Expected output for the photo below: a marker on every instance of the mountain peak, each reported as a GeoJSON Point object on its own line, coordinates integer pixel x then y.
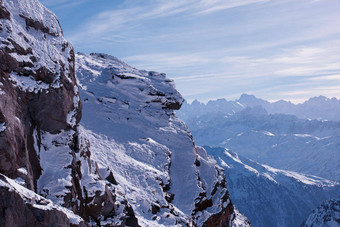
{"type": "Point", "coordinates": [247, 97]}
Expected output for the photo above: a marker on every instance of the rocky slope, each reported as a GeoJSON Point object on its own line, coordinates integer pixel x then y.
{"type": "Point", "coordinates": [135, 142]}
{"type": "Point", "coordinates": [279, 140]}
{"type": "Point", "coordinates": [131, 162]}
{"type": "Point", "coordinates": [272, 197]}
{"type": "Point", "coordinates": [326, 215]}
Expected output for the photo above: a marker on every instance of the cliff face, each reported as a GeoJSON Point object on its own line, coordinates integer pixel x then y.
{"type": "Point", "coordinates": [130, 162]}
{"type": "Point", "coordinates": [39, 96]}
{"type": "Point", "coordinates": [36, 77]}
{"type": "Point", "coordinates": [135, 140]}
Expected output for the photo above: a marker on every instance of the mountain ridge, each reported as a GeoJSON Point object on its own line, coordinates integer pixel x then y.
{"type": "Point", "coordinates": [308, 109]}
{"type": "Point", "coordinates": [115, 158]}
{"type": "Point", "coordinates": [272, 197]}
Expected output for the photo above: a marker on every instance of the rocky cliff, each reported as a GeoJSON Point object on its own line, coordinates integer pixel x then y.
{"type": "Point", "coordinates": [39, 97]}
{"type": "Point", "coordinates": [130, 162]}
{"type": "Point", "coordinates": [135, 141]}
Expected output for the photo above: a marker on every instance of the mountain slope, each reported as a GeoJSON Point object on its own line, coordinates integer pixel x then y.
{"type": "Point", "coordinates": [136, 141]}
{"type": "Point", "coordinates": [279, 140]}
{"type": "Point", "coordinates": [268, 196]}
{"type": "Point", "coordinates": [130, 163]}
{"type": "Point", "coordinates": [326, 215]}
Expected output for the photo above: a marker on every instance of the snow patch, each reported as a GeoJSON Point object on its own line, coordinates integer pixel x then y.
{"type": "Point", "coordinates": [3, 127]}
{"type": "Point", "coordinates": [30, 197]}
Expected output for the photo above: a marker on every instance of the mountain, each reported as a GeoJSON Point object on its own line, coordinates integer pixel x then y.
{"type": "Point", "coordinates": [326, 215]}
{"type": "Point", "coordinates": [282, 141]}
{"type": "Point", "coordinates": [122, 158]}
{"type": "Point", "coordinates": [321, 107]}
{"type": "Point", "coordinates": [39, 103]}
{"type": "Point", "coordinates": [272, 197]}
{"type": "Point", "coordinates": [134, 137]}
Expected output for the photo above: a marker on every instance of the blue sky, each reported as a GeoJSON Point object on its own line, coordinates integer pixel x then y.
{"type": "Point", "coordinates": [274, 49]}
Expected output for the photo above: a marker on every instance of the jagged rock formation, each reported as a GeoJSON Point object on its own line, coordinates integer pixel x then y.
{"type": "Point", "coordinates": [130, 163]}
{"type": "Point", "coordinates": [37, 75]}
{"type": "Point", "coordinates": [326, 215]}
{"type": "Point", "coordinates": [271, 197]}
{"type": "Point", "coordinates": [22, 207]}
{"type": "Point", "coordinates": [39, 97]}
{"type": "Point", "coordinates": [136, 142]}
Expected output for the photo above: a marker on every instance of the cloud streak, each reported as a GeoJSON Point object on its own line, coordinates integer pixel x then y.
{"type": "Point", "coordinates": [220, 48]}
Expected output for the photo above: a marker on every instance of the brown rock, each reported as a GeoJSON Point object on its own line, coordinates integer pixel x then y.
{"type": "Point", "coordinates": [4, 14]}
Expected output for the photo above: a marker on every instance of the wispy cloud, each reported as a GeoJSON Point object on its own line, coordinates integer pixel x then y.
{"type": "Point", "coordinates": [212, 6]}
{"type": "Point", "coordinates": [221, 48]}
{"type": "Point", "coordinates": [112, 20]}
{"type": "Point", "coordinates": [62, 4]}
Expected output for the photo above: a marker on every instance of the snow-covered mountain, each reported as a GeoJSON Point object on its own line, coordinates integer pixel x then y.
{"type": "Point", "coordinates": [272, 197]}
{"type": "Point", "coordinates": [135, 139]}
{"type": "Point", "coordinates": [315, 108]}
{"type": "Point", "coordinates": [279, 140]}
{"type": "Point", "coordinates": [128, 162]}
{"type": "Point", "coordinates": [39, 110]}
{"type": "Point", "coordinates": [326, 215]}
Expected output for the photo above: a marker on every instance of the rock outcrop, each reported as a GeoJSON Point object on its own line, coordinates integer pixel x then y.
{"type": "Point", "coordinates": [37, 86]}
{"type": "Point", "coordinates": [130, 162]}
{"type": "Point", "coordinates": [133, 138]}
{"type": "Point", "coordinates": [326, 215]}
{"type": "Point", "coordinates": [39, 97]}
{"type": "Point", "coordinates": [21, 207]}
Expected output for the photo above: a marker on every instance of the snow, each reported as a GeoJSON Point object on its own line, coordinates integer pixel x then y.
{"type": "Point", "coordinates": [133, 135]}
{"type": "Point", "coordinates": [282, 141]}
{"type": "Point", "coordinates": [269, 196]}
{"type": "Point", "coordinates": [1, 91]}
{"type": "Point", "coordinates": [2, 127]}
{"type": "Point", "coordinates": [55, 157]}
{"type": "Point", "coordinates": [51, 51]}
{"type": "Point", "coordinates": [30, 197]}
{"type": "Point", "coordinates": [239, 220]}
{"type": "Point", "coordinates": [28, 83]}
{"type": "Point", "coordinates": [23, 170]}
{"type": "Point", "coordinates": [326, 215]}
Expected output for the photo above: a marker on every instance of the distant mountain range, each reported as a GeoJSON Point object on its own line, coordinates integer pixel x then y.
{"type": "Point", "coordinates": [315, 108]}
{"type": "Point", "coordinates": [271, 197]}
{"type": "Point", "coordinates": [280, 140]}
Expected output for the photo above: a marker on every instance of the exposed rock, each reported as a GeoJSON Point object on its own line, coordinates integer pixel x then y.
{"type": "Point", "coordinates": [37, 87]}
{"type": "Point", "coordinates": [22, 207]}
{"type": "Point", "coordinates": [131, 163]}
{"type": "Point", "coordinates": [134, 136]}
{"type": "Point", "coordinates": [38, 95]}
{"type": "Point", "coordinates": [326, 215]}
{"type": "Point", "coordinates": [4, 14]}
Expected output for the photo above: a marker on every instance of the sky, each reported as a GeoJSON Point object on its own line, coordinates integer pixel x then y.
{"type": "Point", "coordinates": [273, 49]}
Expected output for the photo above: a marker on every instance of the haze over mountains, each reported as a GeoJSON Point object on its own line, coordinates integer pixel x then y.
{"type": "Point", "coordinates": [276, 156]}
{"type": "Point", "coordinates": [245, 126]}
{"type": "Point", "coordinates": [88, 140]}
{"type": "Point", "coordinates": [319, 107]}
{"type": "Point", "coordinates": [271, 197]}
